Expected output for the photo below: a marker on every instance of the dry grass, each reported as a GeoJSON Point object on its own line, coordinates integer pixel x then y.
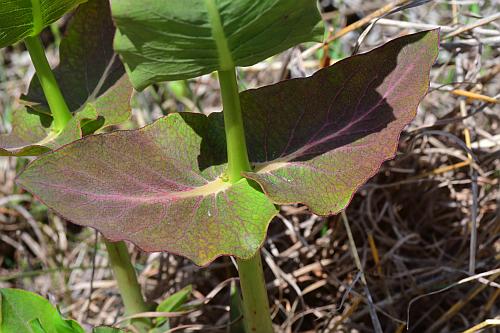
{"type": "Point", "coordinates": [412, 224]}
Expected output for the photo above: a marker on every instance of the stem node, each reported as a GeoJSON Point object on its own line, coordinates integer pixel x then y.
{"type": "Point", "coordinates": [257, 317]}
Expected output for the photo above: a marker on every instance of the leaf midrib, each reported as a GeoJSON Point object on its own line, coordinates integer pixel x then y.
{"type": "Point", "coordinates": [206, 190]}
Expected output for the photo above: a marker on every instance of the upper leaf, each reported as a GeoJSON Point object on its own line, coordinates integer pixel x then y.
{"type": "Point", "coordinates": [173, 40]}
{"type": "Point", "coordinates": [23, 18]}
{"type": "Point", "coordinates": [25, 312]}
{"type": "Point", "coordinates": [148, 186]}
{"type": "Point", "coordinates": [89, 74]}
{"type": "Point", "coordinates": [317, 140]}
{"type": "Point", "coordinates": [92, 80]}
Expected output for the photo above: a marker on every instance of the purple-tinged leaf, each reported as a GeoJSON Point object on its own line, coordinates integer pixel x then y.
{"type": "Point", "coordinates": [92, 80]}
{"type": "Point", "coordinates": [27, 128]}
{"type": "Point", "coordinates": [313, 140]}
{"type": "Point", "coordinates": [32, 136]}
{"type": "Point", "coordinates": [146, 186]}
{"type": "Point", "coordinates": [89, 67]}
{"type": "Point", "coordinates": [317, 140]}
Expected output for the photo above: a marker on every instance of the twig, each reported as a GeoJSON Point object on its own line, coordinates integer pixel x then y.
{"type": "Point", "coordinates": [356, 25]}
{"type": "Point", "coordinates": [473, 25]}
{"type": "Point", "coordinates": [352, 245]}
{"type": "Point", "coordinates": [483, 325]}
{"type": "Point", "coordinates": [92, 273]}
{"type": "Point", "coordinates": [473, 174]}
{"type": "Point", "coordinates": [444, 28]}
{"type": "Point", "coordinates": [494, 274]}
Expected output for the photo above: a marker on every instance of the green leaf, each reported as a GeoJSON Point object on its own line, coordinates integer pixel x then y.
{"type": "Point", "coordinates": [65, 326]}
{"type": "Point", "coordinates": [174, 302]}
{"type": "Point", "coordinates": [90, 73]}
{"type": "Point", "coordinates": [317, 140]}
{"type": "Point", "coordinates": [93, 83]}
{"type": "Point", "coordinates": [23, 18]}
{"type": "Point", "coordinates": [174, 40]}
{"type": "Point", "coordinates": [26, 312]}
{"type": "Point", "coordinates": [314, 140]}
{"type": "Point", "coordinates": [72, 327]}
{"type": "Point", "coordinates": [36, 326]}
{"type": "Point", "coordinates": [157, 187]}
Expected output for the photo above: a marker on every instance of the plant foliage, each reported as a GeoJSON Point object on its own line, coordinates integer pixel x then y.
{"type": "Point", "coordinates": [312, 140]}
{"type": "Point", "coordinates": [26, 18]}
{"type": "Point", "coordinates": [22, 311]}
{"type": "Point", "coordinates": [92, 80]}
{"type": "Point", "coordinates": [174, 40]}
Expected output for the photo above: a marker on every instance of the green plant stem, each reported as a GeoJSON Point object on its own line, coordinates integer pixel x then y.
{"type": "Point", "coordinates": [58, 107]}
{"type": "Point", "coordinates": [124, 272]}
{"type": "Point", "coordinates": [233, 123]}
{"type": "Point", "coordinates": [257, 317]}
{"type": "Point", "coordinates": [128, 285]}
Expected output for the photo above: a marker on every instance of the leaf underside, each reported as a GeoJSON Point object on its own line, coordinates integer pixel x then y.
{"type": "Point", "coordinates": [145, 186]}
{"type": "Point", "coordinates": [175, 40]}
{"type": "Point", "coordinates": [93, 83]}
{"type": "Point", "coordinates": [312, 140]}
{"type": "Point", "coordinates": [24, 18]}
{"type": "Point", "coordinates": [317, 140]}
{"type": "Point", "coordinates": [32, 135]}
